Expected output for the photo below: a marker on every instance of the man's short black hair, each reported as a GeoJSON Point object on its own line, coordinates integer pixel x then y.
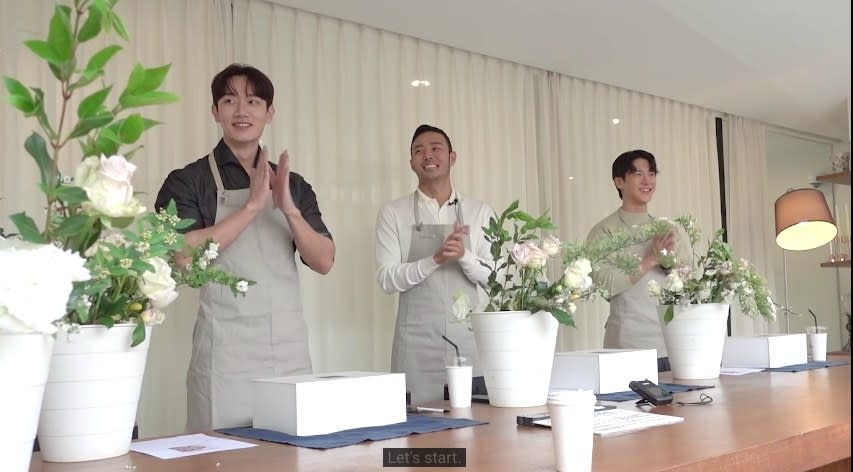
{"type": "Point", "coordinates": [624, 164]}
{"type": "Point", "coordinates": [260, 84]}
{"type": "Point", "coordinates": [426, 129]}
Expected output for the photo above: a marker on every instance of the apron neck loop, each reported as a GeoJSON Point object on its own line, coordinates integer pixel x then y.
{"type": "Point", "coordinates": [214, 169]}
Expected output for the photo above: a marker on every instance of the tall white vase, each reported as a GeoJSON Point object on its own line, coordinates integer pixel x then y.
{"type": "Point", "coordinates": [516, 351]}
{"type": "Point", "coordinates": [24, 363]}
{"type": "Point", "coordinates": [91, 396]}
{"type": "Point", "coordinates": [694, 339]}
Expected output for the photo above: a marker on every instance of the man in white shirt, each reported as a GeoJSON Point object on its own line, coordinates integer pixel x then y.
{"type": "Point", "coordinates": [429, 247]}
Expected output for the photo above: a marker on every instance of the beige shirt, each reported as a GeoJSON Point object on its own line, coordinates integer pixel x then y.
{"type": "Point", "coordinates": [613, 279]}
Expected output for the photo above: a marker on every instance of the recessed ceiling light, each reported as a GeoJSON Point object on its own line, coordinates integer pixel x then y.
{"type": "Point", "coordinates": [615, 121]}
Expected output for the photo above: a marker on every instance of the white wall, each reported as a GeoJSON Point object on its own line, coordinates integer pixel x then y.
{"type": "Point", "coordinates": [792, 162]}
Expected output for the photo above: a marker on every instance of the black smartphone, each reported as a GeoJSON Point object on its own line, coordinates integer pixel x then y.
{"type": "Point", "coordinates": [651, 392]}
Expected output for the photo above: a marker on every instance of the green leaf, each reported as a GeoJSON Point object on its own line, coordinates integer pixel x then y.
{"type": "Point", "coordinates": [92, 26]}
{"type": "Point", "coordinates": [669, 315]}
{"type": "Point", "coordinates": [93, 103]}
{"type": "Point", "coordinates": [73, 226]}
{"type": "Point", "coordinates": [562, 316]}
{"type": "Point", "coordinates": [147, 98]}
{"type": "Point", "coordinates": [27, 228]}
{"type": "Point", "coordinates": [88, 124]}
{"type": "Point", "coordinates": [118, 25]}
{"type": "Point", "coordinates": [59, 36]}
{"type": "Point", "coordinates": [138, 334]}
{"type": "Point", "coordinates": [131, 128]}
{"type": "Point", "coordinates": [122, 222]}
{"type": "Point", "coordinates": [19, 95]}
{"type": "Point", "coordinates": [99, 60]}
{"type": "Point", "coordinates": [143, 80]}
{"type": "Point", "coordinates": [43, 50]}
{"type": "Point", "coordinates": [37, 147]}
{"type": "Point", "coordinates": [71, 194]}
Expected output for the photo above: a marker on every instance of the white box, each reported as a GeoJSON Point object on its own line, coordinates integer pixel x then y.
{"type": "Point", "coordinates": [773, 350]}
{"type": "Point", "coordinates": [603, 370]}
{"type": "Point", "coordinates": [305, 405]}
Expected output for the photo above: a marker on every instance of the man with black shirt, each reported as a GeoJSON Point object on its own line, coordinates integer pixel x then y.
{"type": "Point", "coordinates": [259, 214]}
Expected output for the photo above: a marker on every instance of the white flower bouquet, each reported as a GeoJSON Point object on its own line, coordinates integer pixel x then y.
{"type": "Point", "coordinates": [714, 277]}
{"type": "Point", "coordinates": [519, 267]}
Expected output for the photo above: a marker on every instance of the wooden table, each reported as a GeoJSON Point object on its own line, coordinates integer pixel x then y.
{"type": "Point", "coordinates": [764, 421]}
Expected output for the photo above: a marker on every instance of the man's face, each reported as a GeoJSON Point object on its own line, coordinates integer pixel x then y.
{"type": "Point", "coordinates": [241, 114]}
{"type": "Point", "coordinates": [431, 158]}
{"type": "Point", "coordinates": [638, 186]}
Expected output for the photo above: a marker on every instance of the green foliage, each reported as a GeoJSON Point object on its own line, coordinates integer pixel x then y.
{"type": "Point", "coordinates": [85, 216]}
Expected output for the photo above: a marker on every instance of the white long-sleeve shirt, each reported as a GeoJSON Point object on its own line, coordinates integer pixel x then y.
{"type": "Point", "coordinates": [394, 235]}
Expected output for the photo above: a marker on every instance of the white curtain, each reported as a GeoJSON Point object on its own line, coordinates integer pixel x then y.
{"type": "Point", "coordinates": [750, 221]}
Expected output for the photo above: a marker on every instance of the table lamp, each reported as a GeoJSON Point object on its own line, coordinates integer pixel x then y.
{"type": "Point", "coordinates": [803, 221]}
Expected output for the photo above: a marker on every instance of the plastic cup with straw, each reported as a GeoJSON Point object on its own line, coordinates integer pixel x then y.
{"type": "Point", "coordinates": [459, 380]}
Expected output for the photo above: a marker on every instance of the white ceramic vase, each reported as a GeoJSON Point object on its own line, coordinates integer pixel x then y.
{"type": "Point", "coordinates": [24, 363]}
{"type": "Point", "coordinates": [91, 396]}
{"type": "Point", "coordinates": [516, 352]}
{"type": "Point", "coordinates": [694, 339]}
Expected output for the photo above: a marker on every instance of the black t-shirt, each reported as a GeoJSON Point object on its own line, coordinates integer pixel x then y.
{"type": "Point", "coordinates": [194, 190]}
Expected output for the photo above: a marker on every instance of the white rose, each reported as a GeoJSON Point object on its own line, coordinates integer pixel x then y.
{"type": "Point", "coordinates": [654, 287]}
{"type": "Point", "coordinates": [551, 246]}
{"type": "Point", "coordinates": [537, 257]}
{"type": "Point", "coordinates": [107, 184]}
{"type": "Point", "coordinates": [35, 284]}
{"type": "Point", "coordinates": [673, 282]}
{"type": "Point", "coordinates": [577, 275]}
{"type": "Point", "coordinates": [461, 306]}
{"type": "Point", "coordinates": [242, 286]}
{"type": "Point", "coordinates": [158, 286]}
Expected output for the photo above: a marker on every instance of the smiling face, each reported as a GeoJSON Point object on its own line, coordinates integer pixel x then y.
{"type": "Point", "coordinates": [241, 114]}
{"type": "Point", "coordinates": [637, 186]}
{"type": "Point", "coordinates": [431, 157]}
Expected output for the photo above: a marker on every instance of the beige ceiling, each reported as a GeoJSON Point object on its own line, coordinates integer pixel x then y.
{"type": "Point", "coordinates": [784, 62]}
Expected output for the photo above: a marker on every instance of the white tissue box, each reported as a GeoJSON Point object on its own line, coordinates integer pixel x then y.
{"type": "Point", "coordinates": [773, 350]}
{"type": "Point", "coordinates": [305, 405]}
{"type": "Point", "coordinates": [603, 370]}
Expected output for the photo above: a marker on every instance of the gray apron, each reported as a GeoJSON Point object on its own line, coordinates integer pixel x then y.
{"type": "Point", "coordinates": [239, 338]}
{"type": "Point", "coordinates": [424, 315]}
{"type": "Point", "coordinates": [633, 321]}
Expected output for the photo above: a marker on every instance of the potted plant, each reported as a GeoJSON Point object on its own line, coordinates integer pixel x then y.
{"type": "Point", "coordinates": [32, 296]}
{"type": "Point", "coordinates": [95, 214]}
{"type": "Point", "coordinates": [517, 330]}
{"type": "Point", "coordinates": [695, 299]}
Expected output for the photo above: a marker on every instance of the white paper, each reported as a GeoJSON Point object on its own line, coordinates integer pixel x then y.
{"type": "Point", "coordinates": [739, 370]}
{"type": "Point", "coordinates": [618, 421]}
{"type": "Point", "coordinates": [187, 445]}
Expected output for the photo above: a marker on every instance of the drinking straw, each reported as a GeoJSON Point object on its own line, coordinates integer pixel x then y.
{"type": "Point", "coordinates": [458, 357]}
{"type": "Point", "coordinates": [815, 319]}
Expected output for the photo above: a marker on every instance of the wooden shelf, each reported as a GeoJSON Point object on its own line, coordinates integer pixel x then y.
{"type": "Point", "coordinates": [835, 264]}
{"type": "Point", "coordinates": [841, 178]}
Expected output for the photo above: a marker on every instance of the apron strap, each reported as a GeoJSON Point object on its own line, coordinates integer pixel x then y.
{"type": "Point", "coordinates": [214, 169]}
